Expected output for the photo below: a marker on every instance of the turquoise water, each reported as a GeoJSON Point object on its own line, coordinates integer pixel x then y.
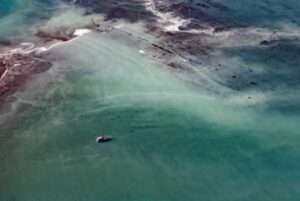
{"type": "Point", "coordinates": [19, 19]}
{"type": "Point", "coordinates": [173, 140]}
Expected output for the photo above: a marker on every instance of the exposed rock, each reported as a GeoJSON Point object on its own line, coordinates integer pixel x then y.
{"type": "Point", "coordinates": [5, 42]}
{"type": "Point", "coordinates": [162, 49]}
{"type": "Point", "coordinates": [61, 35]}
{"type": "Point", "coordinates": [177, 66]}
{"type": "Point", "coordinates": [15, 68]}
{"type": "Point", "coordinates": [187, 42]}
{"type": "Point", "coordinates": [253, 83]}
{"type": "Point", "coordinates": [129, 10]}
{"type": "Point", "coordinates": [268, 42]}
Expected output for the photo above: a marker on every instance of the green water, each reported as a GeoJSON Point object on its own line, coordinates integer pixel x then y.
{"type": "Point", "coordinates": [173, 141]}
{"type": "Point", "coordinates": [19, 19]}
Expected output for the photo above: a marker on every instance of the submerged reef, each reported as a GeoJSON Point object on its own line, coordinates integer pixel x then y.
{"type": "Point", "coordinates": [189, 34]}
{"type": "Point", "coordinates": [16, 67]}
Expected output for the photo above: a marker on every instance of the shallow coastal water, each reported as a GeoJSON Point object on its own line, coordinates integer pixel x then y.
{"type": "Point", "coordinates": [15, 17]}
{"type": "Point", "coordinates": [174, 139]}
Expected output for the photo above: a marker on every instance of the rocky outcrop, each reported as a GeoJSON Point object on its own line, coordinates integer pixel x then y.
{"type": "Point", "coordinates": [19, 62]}
{"type": "Point", "coordinates": [15, 68]}
{"type": "Point", "coordinates": [59, 35]}
{"type": "Point", "coordinates": [129, 10]}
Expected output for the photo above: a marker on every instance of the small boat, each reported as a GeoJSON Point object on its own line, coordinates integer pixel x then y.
{"type": "Point", "coordinates": [101, 139]}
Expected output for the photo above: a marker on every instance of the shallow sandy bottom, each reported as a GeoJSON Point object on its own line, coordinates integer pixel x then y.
{"type": "Point", "coordinates": [173, 141]}
{"type": "Point", "coordinates": [180, 134]}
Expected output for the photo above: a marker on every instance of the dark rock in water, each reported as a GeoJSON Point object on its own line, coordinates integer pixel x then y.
{"type": "Point", "coordinates": [61, 35]}
{"type": "Point", "coordinates": [15, 68]}
{"type": "Point", "coordinates": [2, 69]}
{"type": "Point", "coordinates": [118, 12]}
{"type": "Point", "coordinates": [272, 42]}
{"type": "Point", "coordinates": [183, 8]}
{"type": "Point", "coordinates": [162, 48]}
{"type": "Point", "coordinates": [266, 42]}
{"type": "Point", "coordinates": [194, 24]}
{"type": "Point", "coordinates": [193, 10]}
{"type": "Point", "coordinates": [131, 14]}
{"type": "Point", "coordinates": [129, 10]}
{"type": "Point", "coordinates": [218, 29]}
{"type": "Point", "coordinates": [5, 43]}
{"type": "Point", "coordinates": [176, 66]}
{"type": "Point", "coordinates": [190, 43]}
{"type": "Point", "coordinates": [203, 5]}
{"type": "Point", "coordinates": [253, 83]}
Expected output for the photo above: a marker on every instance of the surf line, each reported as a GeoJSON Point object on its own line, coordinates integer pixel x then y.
{"type": "Point", "coordinates": [29, 48]}
{"type": "Point", "coordinates": [76, 35]}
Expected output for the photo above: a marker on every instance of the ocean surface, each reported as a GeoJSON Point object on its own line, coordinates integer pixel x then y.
{"type": "Point", "coordinates": [211, 135]}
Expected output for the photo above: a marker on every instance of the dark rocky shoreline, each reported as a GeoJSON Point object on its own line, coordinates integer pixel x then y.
{"type": "Point", "coordinates": [18, 63]}
{"type": "Point", "coordinates": [16, 68]}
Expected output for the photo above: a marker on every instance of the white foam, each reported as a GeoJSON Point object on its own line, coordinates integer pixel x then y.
{"type": "Point", "coordinates": [77, 33]}
{"type": "Point", "coordinates": [81, 32]}
{"type": "Point", "coordinates": [141, 51]}
{"type": "Point", "coordinates": [27, 45]}
{"type": "Point", "coordinates": [167, 20]}
{"type": "Point", "coordinates": [238, 37]}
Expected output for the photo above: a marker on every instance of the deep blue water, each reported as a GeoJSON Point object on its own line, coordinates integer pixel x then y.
{"type": "Point", "coordinates": [265, 13]}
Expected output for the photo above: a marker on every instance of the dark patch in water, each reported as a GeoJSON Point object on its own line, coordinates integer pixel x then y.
{"type": "Point", "coordinates": [130, 10]}
{"type": "Point", "coordinates": [280, 64]}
